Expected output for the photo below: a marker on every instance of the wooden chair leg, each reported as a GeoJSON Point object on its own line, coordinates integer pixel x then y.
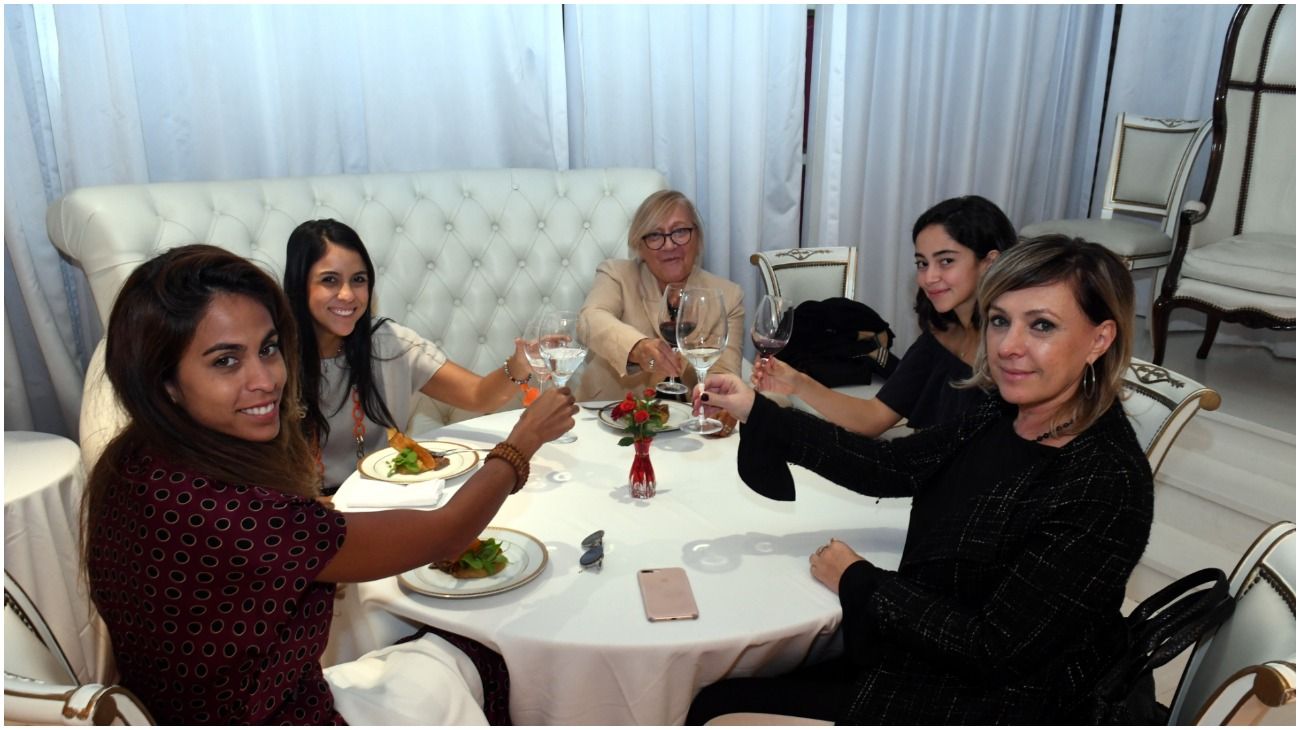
{"type": "Point", "coordinates": [1211, 329]}
{"type": "Point", "coordinates": [1159, 329]}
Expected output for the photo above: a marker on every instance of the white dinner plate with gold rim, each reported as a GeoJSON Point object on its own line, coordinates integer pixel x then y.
{"type": "Point", "coordinates": [527, 556]}
{"type": "Point", "coordinates": [677, 414]}
{"type": "Point", "coordinates": [377, 465]}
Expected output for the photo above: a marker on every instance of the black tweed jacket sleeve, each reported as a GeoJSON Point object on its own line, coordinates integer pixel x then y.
{"type": "Point", "coordinates": [1012, 605]}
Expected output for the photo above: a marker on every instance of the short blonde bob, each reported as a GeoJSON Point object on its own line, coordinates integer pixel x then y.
{"type": "Point", "coordinates": [1103, 289]}
{"type": "Point", "coordinates": [654, 209]}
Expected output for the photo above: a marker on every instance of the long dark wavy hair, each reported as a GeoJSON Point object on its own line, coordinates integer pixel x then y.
{"type": "Point", "coordinates": [975, 223]}
{"type": "Point", "coordinates": [307, 245]}
{"type": "Point", "coordinates": [153, 320]}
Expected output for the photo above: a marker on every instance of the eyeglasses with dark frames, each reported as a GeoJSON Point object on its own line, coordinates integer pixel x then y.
{"type": "Point", "coordinates": [679, 236]}
{"type": "Point", "coordinates": [595, 555]}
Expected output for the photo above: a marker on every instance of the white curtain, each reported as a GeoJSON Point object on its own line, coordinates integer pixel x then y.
{"type": "Point", "coordinates": [910, 104]}
{"type": "Point", "coordinates": [131, 94]}
{"type": "Point", "coordinates": [914, 104]}
{"type": "Point", "coordinates": [712, 96]}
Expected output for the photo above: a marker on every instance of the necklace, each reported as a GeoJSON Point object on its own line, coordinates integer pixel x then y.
{"type": "Point", "coordinates": [1048, 434]}
{"type": "Point", "coordinates": [358, 433]}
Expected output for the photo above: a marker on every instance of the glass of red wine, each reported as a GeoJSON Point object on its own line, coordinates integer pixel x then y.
{"type": "Point", "coordinates": [667, 316]}
{"type": "Point", "coordinates": [773, 323]}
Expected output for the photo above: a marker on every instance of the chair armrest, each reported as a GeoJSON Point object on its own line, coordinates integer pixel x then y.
{"type": "Point", "coordinates": [1192, 213]}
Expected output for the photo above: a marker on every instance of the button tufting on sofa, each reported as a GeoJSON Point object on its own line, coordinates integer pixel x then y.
{"type": "Point", "coordinates": [481, 284]}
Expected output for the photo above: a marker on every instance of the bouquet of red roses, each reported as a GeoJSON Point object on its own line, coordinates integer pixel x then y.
{"type": "Point", "coordinates": [642, 417]}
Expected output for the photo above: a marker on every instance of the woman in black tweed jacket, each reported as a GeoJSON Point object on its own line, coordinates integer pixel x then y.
{"type": "Point", "coordinates": [1027, 517]}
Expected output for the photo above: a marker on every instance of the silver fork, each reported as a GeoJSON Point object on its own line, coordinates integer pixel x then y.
{"type": "Point", "coordinates": [440, 454]}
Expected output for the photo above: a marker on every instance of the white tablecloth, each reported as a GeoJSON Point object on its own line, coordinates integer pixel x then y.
{"type": "Point", "coordinates": [578, 645]}
{"type": "Point", "coordinates": [44, 479]}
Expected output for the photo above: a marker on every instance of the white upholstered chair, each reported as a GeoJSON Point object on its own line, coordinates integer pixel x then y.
{"type": "Point", "coordinates": [1150, 161]}
{"type": "Point", "coordinates": [1244, 673]}
{"type": "Point", "coordinates": [1234, 256]}
{"type": "Point", "coordinates": [804, 274]}
{"type": "Point", "coordinates": [1159, 403]}
{"type": "Point", "coordinates": [40, 686]}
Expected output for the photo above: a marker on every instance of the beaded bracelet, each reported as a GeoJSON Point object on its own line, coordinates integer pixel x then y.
{"type": "Point", "coordinates": [505, 367]}
{"type": "Point", "coordinates": [515, 458]}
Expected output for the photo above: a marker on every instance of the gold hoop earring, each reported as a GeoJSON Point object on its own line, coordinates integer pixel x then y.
{"type": "Point", "coordinates": [1089, 382]}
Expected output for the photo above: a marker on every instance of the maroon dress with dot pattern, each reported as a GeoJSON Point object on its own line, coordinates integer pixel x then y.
{"type": "Point", "coordinates": [210, 596]}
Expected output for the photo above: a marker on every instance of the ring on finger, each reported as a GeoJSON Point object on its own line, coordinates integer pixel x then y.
{"type": "Point", "coordinates": [652, 363]}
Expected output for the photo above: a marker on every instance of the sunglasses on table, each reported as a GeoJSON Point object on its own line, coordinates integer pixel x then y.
{"type": "Point", "coordinates": [595, 547]}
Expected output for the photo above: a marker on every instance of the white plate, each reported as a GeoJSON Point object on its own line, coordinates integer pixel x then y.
{"type": "Point", "coordinates": [527, 556]}
{"type": "Point", "coordinates": [376, 465]}
{"type": "Point", "coordinates": [677, 414]}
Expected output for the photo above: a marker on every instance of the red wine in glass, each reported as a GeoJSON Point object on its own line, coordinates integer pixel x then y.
{"type": "Point", "coordinates": [773, 324]}
{"type": "Point", "coordinates": [669, 301]}
{"type": "Point", "coordinates": [768, 346]}
{"type": "Point", "coordinates": [669, 332]}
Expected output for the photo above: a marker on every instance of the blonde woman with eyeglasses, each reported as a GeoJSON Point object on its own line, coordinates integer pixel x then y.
{"type": "Point", "coordinates": [619, 321]}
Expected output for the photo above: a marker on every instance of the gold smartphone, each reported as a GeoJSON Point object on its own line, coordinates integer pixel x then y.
{"type": "Point", "coordinates": [666, 594]}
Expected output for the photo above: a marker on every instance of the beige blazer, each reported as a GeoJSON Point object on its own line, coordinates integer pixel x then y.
{"type": "Point", "coordinates": [621, 310]}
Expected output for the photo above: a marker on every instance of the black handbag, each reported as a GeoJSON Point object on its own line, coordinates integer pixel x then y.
{"type": "Point", "coordinates": [1159, 629]}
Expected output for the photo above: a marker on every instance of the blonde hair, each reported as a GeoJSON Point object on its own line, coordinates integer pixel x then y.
{"type": "Point", "coordinates": [652, 210]}
{"type": "Point", "coordinates": [1103, 290]}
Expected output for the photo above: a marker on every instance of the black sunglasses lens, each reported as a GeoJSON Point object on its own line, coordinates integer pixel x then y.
{"type": "Point", "coordinates": [592, 558]}
{"type": "Point", "coordinates": [594, 539]}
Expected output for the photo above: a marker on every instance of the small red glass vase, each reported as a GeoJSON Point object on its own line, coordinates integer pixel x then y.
{"type": "Point", "coordinates": [641, 480]}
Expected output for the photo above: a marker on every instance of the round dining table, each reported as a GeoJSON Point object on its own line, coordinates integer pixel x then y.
{"type": "Point", "coordinates": [577, 642]}
{"type": "Point", "coordinates": [44, 480]}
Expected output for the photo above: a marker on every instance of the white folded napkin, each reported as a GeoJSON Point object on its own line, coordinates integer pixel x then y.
{"type": "Point", "coordinates": [373, 494]}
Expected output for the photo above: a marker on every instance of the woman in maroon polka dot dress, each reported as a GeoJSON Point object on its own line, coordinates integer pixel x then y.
{"type": "Point", "coordinates": [209, 557]}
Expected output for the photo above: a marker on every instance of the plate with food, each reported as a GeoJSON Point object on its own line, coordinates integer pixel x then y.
{"type": "Point", "coordinates": [407, 461]}
{"type": "Point", "coordinates": [501, 559]}
{"type": "Point", "coordinates": [677, 413]}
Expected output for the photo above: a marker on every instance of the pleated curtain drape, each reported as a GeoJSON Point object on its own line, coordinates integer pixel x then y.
{"type": "Point", "coordinates": [915, 104]}
{"type": "Point", "coordinates": [710, 95]}
{"type": "Point", "coordinates": [908, 105]}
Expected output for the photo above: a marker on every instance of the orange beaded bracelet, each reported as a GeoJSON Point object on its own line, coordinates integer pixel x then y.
{"type": "Point", "coordinates": [515, 458]}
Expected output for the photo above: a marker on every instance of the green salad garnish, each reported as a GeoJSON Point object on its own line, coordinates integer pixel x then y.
{"type": "Point", "coordinates": [407, 462]}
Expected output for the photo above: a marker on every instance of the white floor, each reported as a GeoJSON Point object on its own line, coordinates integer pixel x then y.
{"type": "Point", "coordinates": [1254, 384]}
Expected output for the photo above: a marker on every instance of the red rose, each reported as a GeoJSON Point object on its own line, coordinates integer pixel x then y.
{"type": "Point", "coordinates": [649, 392]}
{"type": "Point", "coordinates": [641, 416]}
{"type": "Point", "coordinates": [620, 410]}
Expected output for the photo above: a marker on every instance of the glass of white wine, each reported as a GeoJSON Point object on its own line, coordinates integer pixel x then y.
{"type": "Point", "coordinates": [533, 348]}
{"type": "Point", "coordinates": [702, 338]}
{"type": "Point", "coordinates": [558, 336]}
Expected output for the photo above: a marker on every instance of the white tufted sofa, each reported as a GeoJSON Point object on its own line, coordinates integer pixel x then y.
{"type": "Point", "coordinates": [463, 257]}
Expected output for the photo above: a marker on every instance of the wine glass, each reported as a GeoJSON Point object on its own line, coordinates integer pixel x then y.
{"type": "Point", "coordinates": [563, 354]}
{"type": "Point", "coordinates": [667, 317]}
{"type": "Point", "coordinates": [702, 338]}
{"type": "Point", "coordinates": [533, 348]}
{"type": "Point", "coordinates": [773, 324]}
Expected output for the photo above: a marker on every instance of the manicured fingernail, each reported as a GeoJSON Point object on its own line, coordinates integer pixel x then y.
{"type": "Point", "coordinates": [705, 397]}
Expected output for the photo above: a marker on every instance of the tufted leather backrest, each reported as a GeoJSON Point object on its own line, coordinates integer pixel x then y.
{"type": "Point", "coordinates": [1250, 187]}
{"type": "Point", "coordinates": [463, 257]}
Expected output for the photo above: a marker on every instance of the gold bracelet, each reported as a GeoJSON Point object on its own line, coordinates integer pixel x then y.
{"type": "Point", "coordinates": [511, 455]}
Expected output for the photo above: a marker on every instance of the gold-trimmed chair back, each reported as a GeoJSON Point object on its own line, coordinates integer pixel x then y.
{"type": "Point", "coordinates": [1159, 403]}
{"type": "Point", "coordinates": [1244, 673]}
{"type": "Point", "coordinates": [804, 274]}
